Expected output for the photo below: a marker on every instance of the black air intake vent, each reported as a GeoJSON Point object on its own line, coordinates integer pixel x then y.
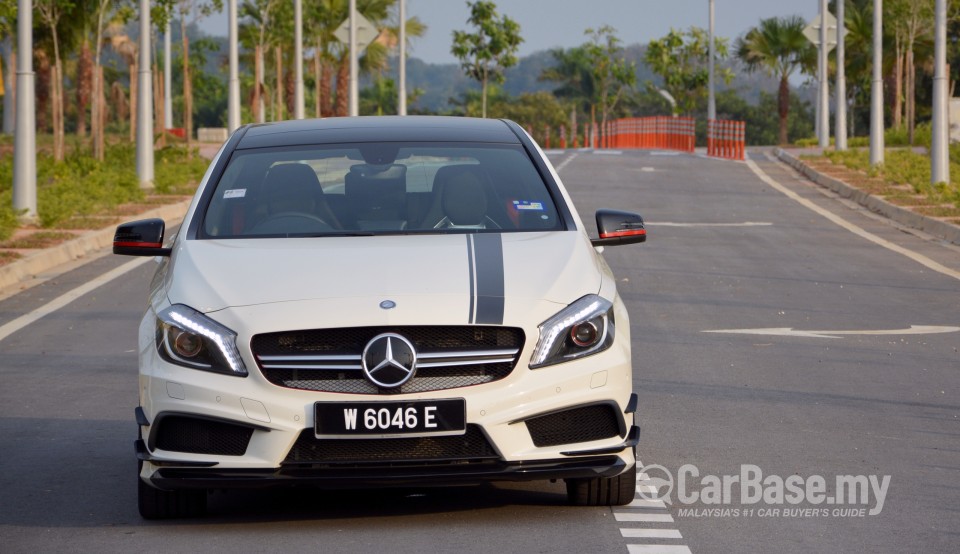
{"type": "Point", "coordinates": [585, 424]}
{"type": "Point", "coordinates": [178, 433]}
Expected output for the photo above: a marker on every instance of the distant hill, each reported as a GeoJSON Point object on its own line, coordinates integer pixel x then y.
{"type": "Point", "coordinates": [443, 82]}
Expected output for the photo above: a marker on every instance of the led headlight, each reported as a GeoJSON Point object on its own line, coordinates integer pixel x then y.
{"type": "Point", "coordinates": [581, 329]}
{"type": "Point", "coordinates": [188, 338]}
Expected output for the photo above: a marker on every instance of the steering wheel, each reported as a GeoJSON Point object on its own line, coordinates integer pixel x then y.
{"type": "Point", "coordinates": [291, 222]}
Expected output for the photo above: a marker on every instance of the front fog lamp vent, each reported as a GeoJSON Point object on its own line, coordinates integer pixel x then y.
{"type": "Point", "coordinates": [583, 424]}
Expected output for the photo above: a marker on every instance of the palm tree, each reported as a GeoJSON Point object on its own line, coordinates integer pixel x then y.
{"type": "Point", "coordinates": [778, 47]}
{"type": "Point", "coordinates": [574, 76]}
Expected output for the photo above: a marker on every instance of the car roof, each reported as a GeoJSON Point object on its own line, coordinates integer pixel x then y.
{"type": "Point", "coordinates": [377, 129]}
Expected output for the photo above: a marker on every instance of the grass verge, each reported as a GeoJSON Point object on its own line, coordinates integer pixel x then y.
{"type": "Point", "coordinates": [81, 188]}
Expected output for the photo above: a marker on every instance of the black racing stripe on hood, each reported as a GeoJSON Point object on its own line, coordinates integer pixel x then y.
{"type": "Point", "coordinates": [473, 289]}
{"type": "Point", "coordinates": [488, 253]}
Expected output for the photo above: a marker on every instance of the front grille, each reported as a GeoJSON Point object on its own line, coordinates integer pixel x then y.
{"type": "Point", "coordinates": [201, 436]}
{"type": "Point", "coordinates": [328, 360]}
{"type": "Point", "coordinates": [472, 446]}
{"type": "Point", "coordinates": [585, 424]}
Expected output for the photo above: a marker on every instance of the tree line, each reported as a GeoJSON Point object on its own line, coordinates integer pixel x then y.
{"type": "Point", "coordinates": [86, 67]}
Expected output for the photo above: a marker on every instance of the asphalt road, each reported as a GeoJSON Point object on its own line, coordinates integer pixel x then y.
{"type": "Point", "coordinates": [804, 406]}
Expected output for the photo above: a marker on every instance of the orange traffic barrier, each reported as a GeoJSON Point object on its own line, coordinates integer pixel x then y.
{"type": "Point", "coordinates": [726, 139]}
{"type": "Point", "coordinates": [671, 133]}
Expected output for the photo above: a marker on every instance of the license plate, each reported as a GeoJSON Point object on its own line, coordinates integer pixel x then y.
{"type": "Point", "coordinates": [390, 419]}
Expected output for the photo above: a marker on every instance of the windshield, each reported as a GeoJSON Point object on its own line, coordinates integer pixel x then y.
{"type": "Point", "coordinates": [379, 188]}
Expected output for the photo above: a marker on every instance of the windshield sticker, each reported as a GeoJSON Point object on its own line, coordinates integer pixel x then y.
{"type": "Point", "coordinates": [234, 193]}
{"type": "Point", "coordinates": [528, 205]}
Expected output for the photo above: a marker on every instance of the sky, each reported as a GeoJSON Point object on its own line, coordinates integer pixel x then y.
{"type": "Point", "coordinates": [547, 24]}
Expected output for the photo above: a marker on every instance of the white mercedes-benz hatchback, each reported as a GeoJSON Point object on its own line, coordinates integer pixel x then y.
{"type": "Point", "coordinates": [382, 301]}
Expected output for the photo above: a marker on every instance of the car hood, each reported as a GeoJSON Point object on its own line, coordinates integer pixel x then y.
{"type": "Point", "coordinates": [473, 275]}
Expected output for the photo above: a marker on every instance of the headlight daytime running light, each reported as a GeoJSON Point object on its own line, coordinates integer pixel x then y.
{"type": "Point", "coordinates": [558, 340]}
{"type": "Point", "coordinates": [218, 351]}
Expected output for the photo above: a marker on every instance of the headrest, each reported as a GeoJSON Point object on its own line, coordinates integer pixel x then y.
{"type": "Point", "coordinates": [463, 193]}
{"type": "Point", "coordinates": [293, 183]}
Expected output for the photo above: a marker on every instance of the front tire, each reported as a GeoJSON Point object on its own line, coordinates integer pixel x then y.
{"type": "Point", "coordinates": [603, 491]}
{"type": "Point", "coordinates": [159, 504]}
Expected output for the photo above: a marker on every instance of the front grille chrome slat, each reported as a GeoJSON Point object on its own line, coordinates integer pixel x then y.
{"type": "Point", "coordinates": [313, 366]}
{"type": "Point", "coordinates": [329, 360]}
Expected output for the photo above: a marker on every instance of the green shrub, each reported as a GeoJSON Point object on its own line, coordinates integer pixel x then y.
{"type": "Point", "coordinates": [904, 166]}
{"type": "Point", "coordinates": [177, 170]}
{"type": "Point", "coordinates": [81, 185]}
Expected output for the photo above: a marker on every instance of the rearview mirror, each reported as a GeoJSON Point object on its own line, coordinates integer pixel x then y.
{"type": "Point", "coordinates": [140, 238]}
{"type": "Point", "coordinates": [616, 227]}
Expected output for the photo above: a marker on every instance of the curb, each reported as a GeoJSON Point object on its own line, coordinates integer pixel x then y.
{"type": "Point", "coordinates": [940, 229]}
{"type": "Point", "coordinates": [44, 260]}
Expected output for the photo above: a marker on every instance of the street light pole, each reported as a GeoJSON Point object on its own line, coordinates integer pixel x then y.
{"type": "Point", "coordinates": [9, 111]}
{"type": "Point", "coordinates": [824, 97]}
{"type": "Point", "coordinates": [167, 78]}
{"type": "Point", "coordinates": [840, 131]}
{"type": "Point", "coordinates": [711, 98]}
{"type": "Point", "coordinates": [298, 59]}
{"type": "Point", "coordinates": [25, 132]}
{"type": "Point", "coordinates": [402, 85]}
{"type": "Point", "coordinates": [233, 83]}
{"type": "Point", "coordinates": [939, 160]}
{"type": "Point", "coordinates": [876, 88]}
{"type": "Point", "coordinates": [145, 103]}
{"type": "Point", "coordinates": [354, 63]}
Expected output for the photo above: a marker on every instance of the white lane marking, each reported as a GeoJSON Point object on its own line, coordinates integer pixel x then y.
{"type": "Point", "coordinates": [657, 549]}
{"type": "Point", "coordinates": [554, 151]}
{"type": "Point", "coordinates": [648, 518]}
{"type": "Point", "coordinates": [644, 503]}
{"type": "Point", "coordinates": [559, 167]}
{"type": "Point", "coordinates": [650, 534]}
{"type": "Point", "coordinates": [919, 258]}
{"type": "Point", "coordinates": [646, 169]}
{"type": "Point", "coordinates": [664, 153]}
{"type": "Point", "coordinates": [677, 224]}
{"type": "Point", "coordinates": [608, 152]}
{"type": "Point", "coordinates": [68, 297]}
{"type": "Point", "coordinates": [790, 332]}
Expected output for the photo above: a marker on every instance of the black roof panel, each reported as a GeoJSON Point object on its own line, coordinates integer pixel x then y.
{"type": "Point", "coordinates": [377, 128]}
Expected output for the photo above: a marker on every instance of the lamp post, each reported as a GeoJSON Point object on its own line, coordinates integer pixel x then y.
{"type": "Point", "coordinates": [298, 59]}
{"type": "Point", "coordinates": [233, 83]}
{"type": "Point", "coordinates": [145, 103]}
{"type": "Point", "coordinates": [402, 85]}
{"type": "Point", "coordinates": [939, 160]}
{"type": "Point", "coordinates": [167, 78]}
{"type": "Point", "coordinates": [876, 87]}
{"type": "Point", "coordinates": [354, 62]}
{"type": "Point", "coordinates": [823, 116]}
{"type": "Point", "coordinates": [840, 131]}
{"type": "Point", "coordinates": [711, 98]}
{"type": "Point", "coordinates": [25, 132]}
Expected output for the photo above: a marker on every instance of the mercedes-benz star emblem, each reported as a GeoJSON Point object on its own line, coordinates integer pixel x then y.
{"type": "Point", "coordinates": [389, 360]}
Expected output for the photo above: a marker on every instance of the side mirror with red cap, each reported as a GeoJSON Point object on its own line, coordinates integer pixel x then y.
{"type": "Point", "coordinates": [140, 238]}
{"type": "Point", "coordinates": [616, 227]}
